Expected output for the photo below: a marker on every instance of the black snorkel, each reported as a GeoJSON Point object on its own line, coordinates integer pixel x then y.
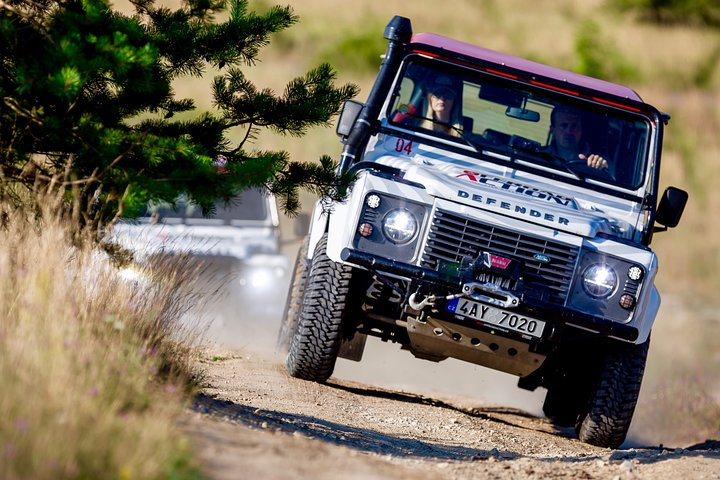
{"type": "Point", "coordinates": [398, 33]}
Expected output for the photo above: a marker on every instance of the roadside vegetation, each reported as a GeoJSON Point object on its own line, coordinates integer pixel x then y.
{"type": "Point", "coordinates": [96, 368]}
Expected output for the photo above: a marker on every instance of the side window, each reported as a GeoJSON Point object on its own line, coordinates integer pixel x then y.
{"type": "Point", "coordinates": [630, 151]}
{"type": "Point", "coordinates": [405, 97]}
{"type": "Point", "coordinates": [486, 115]}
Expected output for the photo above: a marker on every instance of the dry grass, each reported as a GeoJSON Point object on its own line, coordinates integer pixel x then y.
{"type": "Point", "coordinates": [93, 374]}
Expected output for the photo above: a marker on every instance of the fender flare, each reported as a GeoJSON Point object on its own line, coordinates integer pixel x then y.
{"type": "Point", "coordinates": [649, 313]}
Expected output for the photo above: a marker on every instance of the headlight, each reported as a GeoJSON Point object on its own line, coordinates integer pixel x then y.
{"type": "Point", "coordinates": [389, 226]}
{"type": "Point", "coordinates": [608, 286]}
{"type": "Point", "coordinates": [261, 278]}
{"type": "Point", "coordinates": [400, 226]}
{"type": "Point", "coordinates": [599, 281]}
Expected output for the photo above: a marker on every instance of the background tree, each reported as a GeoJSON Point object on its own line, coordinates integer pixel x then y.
{"type": "Point", "coordinates": [88, 105]}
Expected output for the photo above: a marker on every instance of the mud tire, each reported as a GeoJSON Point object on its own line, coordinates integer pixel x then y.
{"type": "Point", "coordinates": [611, 404]}
{"type": "Point", "coordinates": [316, 340]}
{"type": "Point", "coordinates": [293, 301]}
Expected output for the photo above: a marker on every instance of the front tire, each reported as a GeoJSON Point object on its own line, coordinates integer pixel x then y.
{"type": "Point", "coordinates": [316, 341]}
{"type": "Point", "coordinates": [611, 404]}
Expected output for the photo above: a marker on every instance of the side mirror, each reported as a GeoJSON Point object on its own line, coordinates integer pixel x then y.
{"type": "Point", "coordinates": [671, 207]}
{"type": "Point", "coordinates": [349, 114]}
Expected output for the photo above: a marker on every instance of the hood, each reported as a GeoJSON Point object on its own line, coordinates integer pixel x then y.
{"type": "Point", "coordinates": [520, 198]}
{"type": "Point", "coordinates": [149, 239]}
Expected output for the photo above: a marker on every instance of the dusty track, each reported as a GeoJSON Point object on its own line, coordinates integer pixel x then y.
{"type": "Point", "coordinates": [254, 421]}
{"type": "Point", "coordinates": [392, 416]}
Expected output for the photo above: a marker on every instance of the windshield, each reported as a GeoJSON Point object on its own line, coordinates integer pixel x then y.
{"type": "Point", "coordinates": [250, 205]}
{"type": "Point", "coordinates": [539, 126]}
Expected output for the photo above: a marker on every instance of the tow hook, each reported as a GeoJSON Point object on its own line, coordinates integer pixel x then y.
{"type": "Point", "coordinates": [428, 301]}
{"type": "Point", "coordinates": [482, 292]}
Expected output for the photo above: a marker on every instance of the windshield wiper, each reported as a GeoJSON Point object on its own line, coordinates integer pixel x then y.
{"type": "Point", "coordinates": [467, 139]}
{"type": "Point", "coordinates": [552, 158]}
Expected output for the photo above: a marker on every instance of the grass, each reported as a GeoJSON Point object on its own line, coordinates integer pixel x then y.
{"type": "Point", "coordinates": [94, 369]}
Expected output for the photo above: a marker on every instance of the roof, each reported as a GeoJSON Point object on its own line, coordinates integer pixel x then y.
{"type": "Point", "coordinates": [509, 61]}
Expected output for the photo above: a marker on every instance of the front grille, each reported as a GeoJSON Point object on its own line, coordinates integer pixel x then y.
{"type": "Point", "coordinates": [454, 236]}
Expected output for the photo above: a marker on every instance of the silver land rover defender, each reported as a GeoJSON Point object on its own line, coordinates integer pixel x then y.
{"type": "Point", "coordinates": [241, 236]}
{"type": "Point", "coordinates": [502, 214]}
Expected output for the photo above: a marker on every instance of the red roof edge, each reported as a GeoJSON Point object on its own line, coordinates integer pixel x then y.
{"type": "Point", "coordinates": [521, 64]}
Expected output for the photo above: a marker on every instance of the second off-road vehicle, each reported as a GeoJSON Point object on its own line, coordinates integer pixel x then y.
{"type": "Point", "coordinates": [242, 235]}
{"type": "Point", "coordinates": [502, 214]}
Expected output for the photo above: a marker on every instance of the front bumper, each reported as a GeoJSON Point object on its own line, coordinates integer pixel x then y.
{"type": "Point", "coordinates": [557, 317]}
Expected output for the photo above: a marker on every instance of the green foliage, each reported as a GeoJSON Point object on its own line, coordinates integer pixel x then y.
{"type": "Point", "coordinates": [598, 57]}
{"type": "Point", "coordinates": [88, 103]}
{"type": "Point", "coordinates": [359, 51]}
{"type": "Point", "coordinates": [706, 12]}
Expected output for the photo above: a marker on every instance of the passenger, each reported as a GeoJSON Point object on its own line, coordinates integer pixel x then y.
{"type": "Point", "coordinates": [441, 105]}
{"type": "Point", "coordinates": [443, 108]}
{"type": "Point", "coordinates": [566, 139]}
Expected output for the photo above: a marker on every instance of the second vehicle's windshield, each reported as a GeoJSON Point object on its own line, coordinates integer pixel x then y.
{"type": "Point", "coordinates": [249, 205]}
{"type": "Point", "coordinates": [590, 140]}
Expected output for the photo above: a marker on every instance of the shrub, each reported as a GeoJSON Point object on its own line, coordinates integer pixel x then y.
{"type": "Point", "coordinates": [599, 57]}
{"type": "Point", "coordinates": [359, 52]}
{"type": "Point", "coordinates": [706, 69]}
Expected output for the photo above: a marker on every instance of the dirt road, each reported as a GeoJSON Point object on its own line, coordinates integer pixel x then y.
{"type": "Point", "coordinates": [254, 421]}
{"type": "Point", "coordinates": [392, 416]}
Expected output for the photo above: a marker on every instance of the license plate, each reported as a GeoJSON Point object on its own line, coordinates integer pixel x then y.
{"type": "Point", "coordinates": [495, 316]}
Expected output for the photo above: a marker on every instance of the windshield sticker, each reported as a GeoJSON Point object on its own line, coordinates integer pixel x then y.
{"type": "Point", "coordinates": [508, 186]}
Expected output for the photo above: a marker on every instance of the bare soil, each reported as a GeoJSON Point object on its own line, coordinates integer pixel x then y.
{"type": "Point", "coordinates": [252, 420]}
{"type": "Point", "coordinates": [392, 416]}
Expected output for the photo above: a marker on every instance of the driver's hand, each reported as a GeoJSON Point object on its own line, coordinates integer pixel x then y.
{"type": "Point", "coordinates": [594, 161]}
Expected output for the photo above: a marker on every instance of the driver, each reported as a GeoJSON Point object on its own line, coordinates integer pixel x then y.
{"type": "Point", "coordinates": [566, 142]}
